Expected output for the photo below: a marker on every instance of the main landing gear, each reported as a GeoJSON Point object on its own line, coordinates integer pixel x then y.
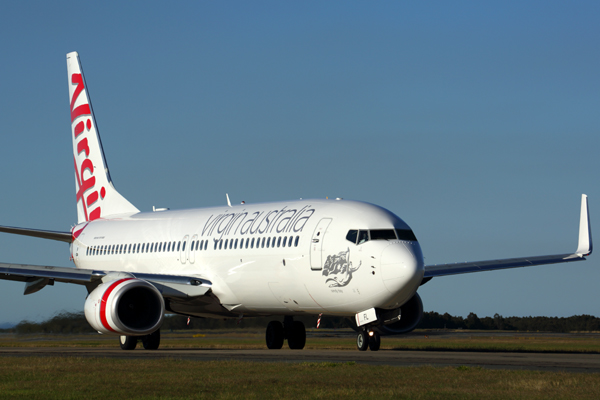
{"type": "Point", "coordinates": [368, 339]}
{"type": "Point", "coordinates": [291, 330]}
{"type": "Point", "coordinates": [150, 342]}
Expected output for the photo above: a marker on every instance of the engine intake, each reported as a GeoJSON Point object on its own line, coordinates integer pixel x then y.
{"type": "Point", "coordinates": [411, 313]}
{"type": "Point", "coordinates": [126, 306]}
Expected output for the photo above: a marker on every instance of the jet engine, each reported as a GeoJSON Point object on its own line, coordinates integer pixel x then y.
{"type": "Point", "coordinates": [410, 314]}
{"type": "Point", "coordinates": [126, 306]}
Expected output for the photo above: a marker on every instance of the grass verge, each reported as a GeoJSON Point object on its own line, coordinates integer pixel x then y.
{"type": "Point", "coordinates": [518, 342]}
{"type": "Point", "coordinates": [97, 378]}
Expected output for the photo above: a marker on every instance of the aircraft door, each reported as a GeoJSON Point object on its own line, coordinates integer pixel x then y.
{"type": "Point", "coordinates": [183, 252]}
{"type": "Point", "coordinates": [316, 245]}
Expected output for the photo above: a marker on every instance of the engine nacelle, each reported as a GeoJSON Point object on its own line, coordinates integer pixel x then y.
{"type": "Point", "coordinates": [411, 313]}
{"type": "Point", "coordinates": [126, 306]}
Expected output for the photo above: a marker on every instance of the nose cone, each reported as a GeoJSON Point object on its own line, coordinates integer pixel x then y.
{"type": "Point", "coordinates": [402, 268]}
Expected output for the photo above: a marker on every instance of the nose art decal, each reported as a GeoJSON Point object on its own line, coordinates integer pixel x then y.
{"type": "Point", "coordinates": [338, 269]}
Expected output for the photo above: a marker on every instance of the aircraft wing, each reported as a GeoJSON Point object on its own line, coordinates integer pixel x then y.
{"type": "Point", "coordinates": [583, 249]}
{"type": "Point", "coordinates": [36, 277]}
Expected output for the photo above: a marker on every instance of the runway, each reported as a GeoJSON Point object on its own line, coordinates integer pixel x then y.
{"type": "Point", "coordinates": [491, 360]}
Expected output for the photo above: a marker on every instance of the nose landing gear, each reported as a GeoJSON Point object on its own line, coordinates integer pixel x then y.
{"type": "Point", "coordinates": [368, 339]}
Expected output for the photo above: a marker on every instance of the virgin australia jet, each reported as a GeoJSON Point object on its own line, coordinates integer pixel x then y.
{"type": "Point", "coordinates": [332, 257]}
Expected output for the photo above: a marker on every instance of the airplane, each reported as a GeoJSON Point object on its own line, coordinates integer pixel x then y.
{"type": "Point", "coordinates": [304, 257]}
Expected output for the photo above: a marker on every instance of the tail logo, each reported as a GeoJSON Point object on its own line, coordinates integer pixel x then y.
{"type": "Point", "coordinates": [86, 182]}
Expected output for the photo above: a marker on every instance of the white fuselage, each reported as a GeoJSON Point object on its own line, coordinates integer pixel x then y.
{"type": "Point", "coordinates": [269, 258]}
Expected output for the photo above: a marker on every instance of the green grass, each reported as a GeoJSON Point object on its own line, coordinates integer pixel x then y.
{"type": "Point", "coordinates": [97, 378]}
{"type": "Point", "coordinates": [254, 339]}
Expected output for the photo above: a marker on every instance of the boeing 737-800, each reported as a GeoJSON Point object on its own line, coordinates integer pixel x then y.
{"type": "Point", "coordinates": [332, 257]}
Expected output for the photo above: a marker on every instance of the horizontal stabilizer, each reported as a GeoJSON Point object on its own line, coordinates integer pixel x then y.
{"type": "Point", "coordinates": [54, 235]}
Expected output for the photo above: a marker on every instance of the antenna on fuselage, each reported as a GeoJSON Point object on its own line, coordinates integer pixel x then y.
{"type": "Point", "coordinates": [228, 202]}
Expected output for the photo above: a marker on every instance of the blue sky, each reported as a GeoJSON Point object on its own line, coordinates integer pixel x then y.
{"type": "Point", "coordinates": [476, 122]}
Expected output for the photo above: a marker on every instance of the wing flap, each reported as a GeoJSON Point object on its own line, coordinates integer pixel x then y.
{"type": "Point", "coordinates": [36, 277]}
{"type": "Point", "coordinates": [26, 273]}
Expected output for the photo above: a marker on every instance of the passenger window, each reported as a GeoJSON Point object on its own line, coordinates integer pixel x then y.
{"type": "Point", "coordinates": [363, 236]}
{"type": "Point", "coordinates": [236, 243]}
{"type": "Point", "coordinates": [283, 241]}
{"type": "Point", "coordinates": [297, 241]}
{"type": "Point", "coordinates": [278, 241]}
{"type": "Point", "coordinates": [252, 244]}
{"type": "Point", "coordinates": [216, 243]}
{"type": "Point", "coordinates": [268, 242]}
{"type": "Point", "coordinates": [352, 235]}
{"type": "Point", "coordinates": [226, 243]}
{"type": "Point", "coordinates": [262, 243]}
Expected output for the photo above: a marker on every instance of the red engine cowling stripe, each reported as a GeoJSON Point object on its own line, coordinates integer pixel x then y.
{"type": "Point", "coordinates": [105, 299]}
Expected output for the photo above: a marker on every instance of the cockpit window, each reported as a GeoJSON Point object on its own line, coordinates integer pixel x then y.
{"type": "Point", "coordinates": [406, 234]}
{"type": "Point", "coordinates": [363, 236]}
{"type": "Point", "coordinates": [383, 234]}
{"type": "Point", "coordinates": [352, 235]}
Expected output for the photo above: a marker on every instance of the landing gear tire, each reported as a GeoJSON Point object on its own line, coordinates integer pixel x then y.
{"type": "Point", "coordinates": [297, 336]}
{"type": "Point", "coordinates": [374, 342]}
{"type": "Point", "coordinates": [151, 341]}
{"type": "Point", "coordinates": [275, 335]}
{"type": "Point", "coordinates": [128, 342]}
{"type": "Point", "coordinates": [362, 340]}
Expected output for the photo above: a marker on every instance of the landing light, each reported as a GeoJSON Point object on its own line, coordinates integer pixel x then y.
{"type": "Point", "coordinates": [370, 333]}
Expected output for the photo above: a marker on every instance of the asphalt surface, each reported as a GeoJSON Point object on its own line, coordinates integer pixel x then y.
{"type": "Point", "coordinates": [526, 361]}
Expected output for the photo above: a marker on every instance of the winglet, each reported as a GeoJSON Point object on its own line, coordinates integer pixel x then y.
{"type": "Point", "coordinates": [585, 230]}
